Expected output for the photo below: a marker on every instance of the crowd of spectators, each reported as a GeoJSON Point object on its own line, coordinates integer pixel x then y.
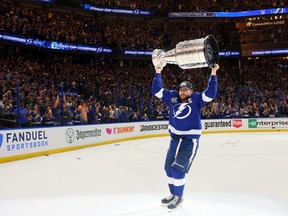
{"type": "Point", "coordinates": [258, 89]}
{"type": "Point", "coordinates": [110, 32]}
{"type": "Point", "coordinates": [68, 81]}
{"type": "Point", "coordinates": [122, 33]}
{"type": "Point", "coordinates": [264, 35]}
{"type": "Point", "coordinates": [58, 89]}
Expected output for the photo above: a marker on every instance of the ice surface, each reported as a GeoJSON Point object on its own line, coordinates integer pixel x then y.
{"type": "Point", "coordinates": [233, 174]}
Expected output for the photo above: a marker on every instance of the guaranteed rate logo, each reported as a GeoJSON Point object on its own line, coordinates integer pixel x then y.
{"type": "Point", "coordinates": [218, 124]}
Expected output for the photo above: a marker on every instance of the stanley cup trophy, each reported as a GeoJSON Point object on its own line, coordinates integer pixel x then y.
{"type": "Point", "coordinates": [188, 54]}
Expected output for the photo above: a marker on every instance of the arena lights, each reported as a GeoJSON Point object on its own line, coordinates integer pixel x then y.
{"type": "Point", "coordinates": [53, 45]}
{"type": "Point", "coordinates": [117, 10]}
{"type": "Point", "coordinates": [222, 53]}
{"type": "Point", "coordinates": [229, 53]}
{"type": "Point", "coordinates": [45, 1]}
{"type": "Point", "coordinates": [230, 14]}
{"type": "Point", "coordinates": [129, 52]}
{"type": "Point", "coordinates": [269, 52]}
{"type": "Point", "coordinates": [137, 52]}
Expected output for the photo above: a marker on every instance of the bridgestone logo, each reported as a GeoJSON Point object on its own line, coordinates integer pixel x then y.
{"type": "Point", "coordinates": [87, 134]}
{"type": "Point", "coordinates": [153, 127]}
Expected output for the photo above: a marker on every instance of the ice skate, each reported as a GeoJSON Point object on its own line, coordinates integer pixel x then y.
{"type": "Point", "coordinates": [175, 203]}
{"type": "Point", "coordinates": [166, 201]}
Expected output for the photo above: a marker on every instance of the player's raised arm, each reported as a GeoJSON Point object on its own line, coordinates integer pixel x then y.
{"type": "Point", "coordinates": [210, 92]}
{"type": "Point", "coordinates": [214, 70]}
{"type": "Point", "coordinates": [157, 88]}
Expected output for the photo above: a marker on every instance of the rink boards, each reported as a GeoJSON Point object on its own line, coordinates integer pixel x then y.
{"type": "Point", "coordinates": [26, 143]}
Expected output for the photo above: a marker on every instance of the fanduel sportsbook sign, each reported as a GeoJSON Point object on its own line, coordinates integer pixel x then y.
{"type": "Point", "coordinates": [18, 141]}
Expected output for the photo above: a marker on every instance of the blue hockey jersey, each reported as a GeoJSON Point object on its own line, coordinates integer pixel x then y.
{"type": "Point", "coordinates": [185, 118]}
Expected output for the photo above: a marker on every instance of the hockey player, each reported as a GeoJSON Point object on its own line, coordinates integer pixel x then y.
{"type": "Point", "coordinates": [185, 130]}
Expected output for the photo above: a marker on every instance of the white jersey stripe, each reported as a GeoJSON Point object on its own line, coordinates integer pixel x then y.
{"type": "Point", "coordinates": [177, 150]}
{"type": "Point", "coordinates": [170, 180]}
{"type": "Point", "coordinates": [194, 151]}
{"type": "Point", "coordinates": [179, 182]}
{"type": "Point", "coordinates": [160, 93]}
{"type": "Point", "coordinates": [176, 182]}
{"type": "Point", "coordinates": [205, 98]}
{"type": "Point", "coordinates": [189, 132]}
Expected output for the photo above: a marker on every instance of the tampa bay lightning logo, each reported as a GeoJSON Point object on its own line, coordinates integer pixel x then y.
{"type": "Point", "coordinates": [227, 53]}
{"type": "Point", "coordinates": [1, 140]}
{"type": "Point", "coordinates": [181, 111]}
{"type": "Point", "coordinates": [29, 41]}
{"type": "Point", "coordinates": [277, 10]}
{"type": "Point", "coordinates": [87, 6]}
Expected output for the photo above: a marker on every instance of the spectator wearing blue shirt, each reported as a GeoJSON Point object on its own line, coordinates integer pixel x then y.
{"type": "Point", "coordinates": [36, 118]}
{"type": "Point", "coordinates": [48, 118]}
{"type": "Point", "coordinates": [22, 115]}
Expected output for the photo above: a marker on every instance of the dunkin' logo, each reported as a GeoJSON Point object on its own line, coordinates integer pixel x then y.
{"type": "Point", "coordinates": [237, 123]}
{"type": "Point", "coordinates": [109, 130]}
{"type": "Point", "coordinates": [119, 130]}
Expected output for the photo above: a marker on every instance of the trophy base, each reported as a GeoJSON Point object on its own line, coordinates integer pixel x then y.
{"type": "Point", "coordinates": [211, 51]}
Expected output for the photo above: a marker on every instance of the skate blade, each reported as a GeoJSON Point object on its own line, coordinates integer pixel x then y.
{"type": "Point", "coordinates": [164, 205]}
{"type": "Point", "coordinates": [171, 210]}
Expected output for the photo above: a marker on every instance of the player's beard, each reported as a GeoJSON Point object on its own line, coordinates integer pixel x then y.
{"type": "Point", "coordinates": [184, 97]}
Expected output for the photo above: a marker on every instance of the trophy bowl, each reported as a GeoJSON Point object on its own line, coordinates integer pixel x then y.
{"type": "Point", "coordinates": [203, 52]}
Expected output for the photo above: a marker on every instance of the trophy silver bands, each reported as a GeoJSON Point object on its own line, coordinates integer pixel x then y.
{"type": "Point", "coordinates": [188, 54]}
